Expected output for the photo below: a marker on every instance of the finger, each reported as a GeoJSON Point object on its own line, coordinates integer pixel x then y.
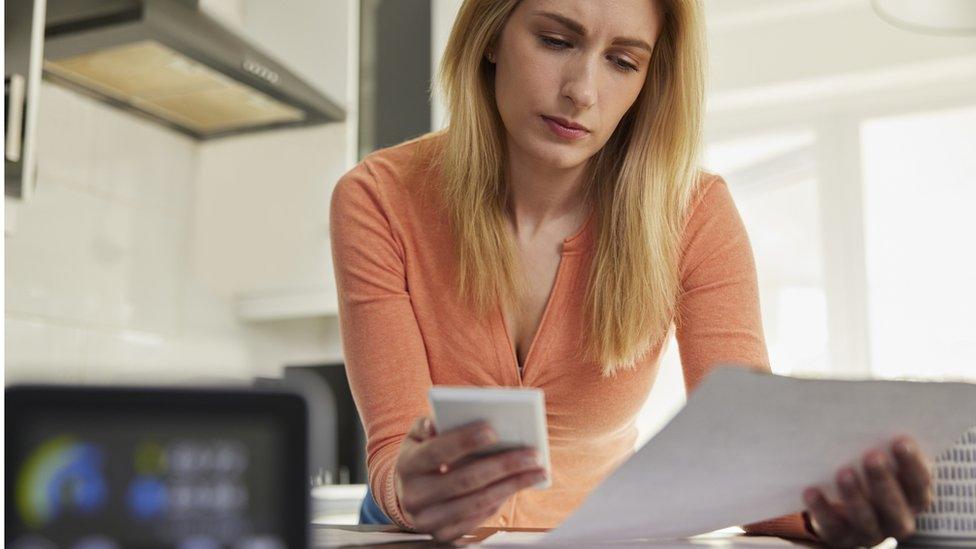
{"type": "Point", "coordinates": [450, 447]}
{"type": "Point", "coordinates": [913, 474]}
{"type": "Point", "coordinates": [827, 522]}
{"type": "Point", "coordinates": [860, 513]}
{"type": "Point", "coordinates": [438, 516]}
{"type": "Point", "coordinates": [446, 514]}
{"type": "Point", "coordinates": [474, 476]}
{"type": "Point", "coordinates": [421, 429]}
{"type": "Point", "coordinates": [452, 532]}
{"type": "Point", "coordinates": [896, 518]}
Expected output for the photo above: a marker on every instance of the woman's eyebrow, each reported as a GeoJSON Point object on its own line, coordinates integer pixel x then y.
{"type": "Point", "coordinates": [579, 29]}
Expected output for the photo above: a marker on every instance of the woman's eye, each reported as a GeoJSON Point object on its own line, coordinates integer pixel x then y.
{"type": "Point", "coordinates": [558, 44]}
{"type": "Point", "coordinates": [554, 43]}
{"type": "Point", "coordinates": [625, 65]}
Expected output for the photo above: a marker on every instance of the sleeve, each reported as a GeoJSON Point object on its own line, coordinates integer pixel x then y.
{"type": "Point", "coordinates": [718, 317]}
{"type": "Point", "coordinates": [386, 361]}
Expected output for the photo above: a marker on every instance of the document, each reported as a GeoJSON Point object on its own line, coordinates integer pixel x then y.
{"type": "Point", "coordinates": [338, 536]}
{"type": "Point", "coordinates": [522, 539]}
{"type": "Point", "coordinates": [747, 443]}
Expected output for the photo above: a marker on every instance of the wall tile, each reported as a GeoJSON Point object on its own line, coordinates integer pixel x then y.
{"type": "Point", "coordinates": [276, 344]}
{"type": "Point", "coordinates": [133, 357]}
{"type": "Point", "coordinates": [159, 249]}
{"type": "Point", "coordinates": [65, 150]}
{"type": "Point", "coordinates": [38, 351]}
{"type": "Point", "coordinates": [260, 209]}
{"type": "Point", "coordinates": [101, 286]}
{"type": "Point", "coordinates": [46, 255]}
{"type": "Point", "coordinates": [141, 163]}
{"type": "Point", "coordinates": [133, 268]}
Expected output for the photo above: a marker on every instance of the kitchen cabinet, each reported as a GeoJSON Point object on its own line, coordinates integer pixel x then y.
{"type": "Point", "coordinates": [23, 50]}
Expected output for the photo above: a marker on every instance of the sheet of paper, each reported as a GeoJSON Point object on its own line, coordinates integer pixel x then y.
{"type": "Point", "coordinates": [503, 537]}
{"type": "Point", "coordinates": [746, 444]}
{"type": "Point", "coordinates": [525, 539]}
{"type": "Point", "coordinates": [337, 536]}
{"type": "Point", "coordinates": [511, 538]}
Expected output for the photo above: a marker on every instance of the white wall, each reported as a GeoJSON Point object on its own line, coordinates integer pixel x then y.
{"type": "Point", "coordinates": [443, 13]}
{"type": "Point", "coordinates": [795, 42]}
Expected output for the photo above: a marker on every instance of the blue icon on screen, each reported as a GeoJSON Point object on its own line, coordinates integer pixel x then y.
{"type": "Point", "coordinates": [146, 497]}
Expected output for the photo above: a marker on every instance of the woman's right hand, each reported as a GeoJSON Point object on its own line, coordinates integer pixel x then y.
{"type": "Point", "coordinates": [445, 491]}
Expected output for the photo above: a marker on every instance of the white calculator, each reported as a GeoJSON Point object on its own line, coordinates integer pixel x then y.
{"type": "Point", "coordinates": [517, 415]}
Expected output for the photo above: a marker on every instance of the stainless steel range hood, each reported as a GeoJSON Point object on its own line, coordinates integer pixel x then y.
{"type": "Point", "coordinates": [168, 61]}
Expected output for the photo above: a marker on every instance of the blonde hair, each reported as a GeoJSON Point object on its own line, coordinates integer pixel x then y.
{"type": "Point", "coordinates": [640, 183]}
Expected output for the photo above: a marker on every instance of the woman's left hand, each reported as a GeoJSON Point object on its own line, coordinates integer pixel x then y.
{"type": "Point", "coordinates": [881, 506]}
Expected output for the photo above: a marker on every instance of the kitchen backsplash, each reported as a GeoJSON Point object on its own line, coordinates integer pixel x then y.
{"type": "Point", "coordinates": [100, 281]}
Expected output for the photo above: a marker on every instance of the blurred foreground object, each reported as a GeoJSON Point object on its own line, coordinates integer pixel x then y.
{"type": "Point", "coordinates": [155, 467]}
{"type": "Point", "coordinates": [951, 519]}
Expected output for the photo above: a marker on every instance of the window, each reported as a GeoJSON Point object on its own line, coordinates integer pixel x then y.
{"type": "Point", "coordinates": [773, 179]}
{"type": "Point", "coordinates": [919, 174]}
{"type": "Point", "coordinates": [864, 233]}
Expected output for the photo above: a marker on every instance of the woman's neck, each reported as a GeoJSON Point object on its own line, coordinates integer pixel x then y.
{"type": "Point", "coordinates": [542, 197]}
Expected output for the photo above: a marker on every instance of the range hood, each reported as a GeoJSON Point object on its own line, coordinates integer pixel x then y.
{"type": "Point", "coordinates": [170, 62]}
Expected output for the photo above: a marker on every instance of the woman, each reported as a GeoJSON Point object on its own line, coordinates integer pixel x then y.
{"type": "Point", "coordinates": [551, 237]}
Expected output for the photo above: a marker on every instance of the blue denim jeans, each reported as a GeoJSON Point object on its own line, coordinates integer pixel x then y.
{"type": "Point", "coordinates": [370, 512]}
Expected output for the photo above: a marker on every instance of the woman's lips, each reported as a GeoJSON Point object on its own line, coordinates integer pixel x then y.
{"type": "Point", "coordinates": [563, 131]}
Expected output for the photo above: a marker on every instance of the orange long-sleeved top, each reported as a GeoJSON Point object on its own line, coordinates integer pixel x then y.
{"type": "Point", "coordinates": [404, 329]}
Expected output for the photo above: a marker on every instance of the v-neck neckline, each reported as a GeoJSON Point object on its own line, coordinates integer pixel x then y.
{"type": "Point", "coordinates": [539, 330]}
{"type": "Point", "coordinates": [577, 242]}
{"type": "Point", "coordinates": [571, 245]}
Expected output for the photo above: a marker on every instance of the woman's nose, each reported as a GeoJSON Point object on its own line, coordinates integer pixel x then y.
{"type": "Point", "coordinates": [580, 83]}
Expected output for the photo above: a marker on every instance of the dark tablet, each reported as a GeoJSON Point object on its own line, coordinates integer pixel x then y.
{"type": "Point", "coordinates": [135, 467]}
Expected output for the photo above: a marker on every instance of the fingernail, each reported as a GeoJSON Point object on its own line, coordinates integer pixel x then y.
{"type": "Point", "coordinates": [486, 436]}
{"type": "Point", "coordinates": [905, 448]}
{"type": "Point", "coordinates": [877, 463]}
{"type": "Point", "coordinates": [848, 480]}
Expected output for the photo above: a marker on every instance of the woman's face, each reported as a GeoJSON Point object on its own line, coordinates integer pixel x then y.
{"type": "Point", "coordinates": [581, 61]}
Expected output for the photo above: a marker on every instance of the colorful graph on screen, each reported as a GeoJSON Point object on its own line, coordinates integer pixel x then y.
{"type": "Point", "coordinates": [63, 475]}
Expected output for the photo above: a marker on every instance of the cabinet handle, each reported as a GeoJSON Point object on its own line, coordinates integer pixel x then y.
{"type": "Point", "coordinates": [15, 88]}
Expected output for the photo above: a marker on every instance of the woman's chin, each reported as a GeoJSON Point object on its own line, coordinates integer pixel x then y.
{"type": "Point", "coordinates": [560, 156]}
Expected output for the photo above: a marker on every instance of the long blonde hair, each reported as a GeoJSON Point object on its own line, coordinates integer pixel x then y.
{"type": "Point", "coordinates": [640, 183]}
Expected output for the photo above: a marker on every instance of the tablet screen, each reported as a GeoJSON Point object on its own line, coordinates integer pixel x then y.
{"type": "Point", "coordinates": [151, 474]}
